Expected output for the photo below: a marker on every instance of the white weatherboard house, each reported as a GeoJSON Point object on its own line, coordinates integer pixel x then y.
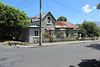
{"type": "Point", "coordinates": [49, 25]}
{"type": "Point", "coordinates": [32, 33]}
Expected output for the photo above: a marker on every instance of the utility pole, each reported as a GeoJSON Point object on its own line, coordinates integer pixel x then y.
{"type": "Point", "coordinates": [40, 33]}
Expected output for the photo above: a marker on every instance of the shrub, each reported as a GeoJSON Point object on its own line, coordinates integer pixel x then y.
{"type": "Point", "coordinates": [51, 38]}
{"type": "Point", "coordinates": [70, 36]}
{"type": "Point", "coordinates": [46, 35]}
{"type": "Point", "coordinates": [58, 34]}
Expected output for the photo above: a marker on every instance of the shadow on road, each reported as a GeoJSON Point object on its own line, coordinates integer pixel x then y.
{"type": "Point", "coordinates": [94, 46]}
{"type": "Point", "coordinates": [88, 63]}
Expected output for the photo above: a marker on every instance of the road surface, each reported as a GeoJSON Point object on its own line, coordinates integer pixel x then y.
{"type": "Point", "coordinates": [52, 56]}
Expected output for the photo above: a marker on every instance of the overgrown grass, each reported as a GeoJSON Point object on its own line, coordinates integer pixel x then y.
{"type": "Point", "coordinates": [14, 43]}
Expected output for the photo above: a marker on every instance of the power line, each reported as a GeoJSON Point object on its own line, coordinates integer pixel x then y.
{"type": "Point", "coordinates": [24, 3]}
{"type": "Point", "coordinates": [67, 6]}
{"type": "Point", "coordinates": [20, 3]}
{"type": "Point", "coordinates": [28, 4]}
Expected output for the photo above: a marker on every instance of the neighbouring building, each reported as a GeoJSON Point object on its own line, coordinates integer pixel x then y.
{"type": "Point", "coordinates": [66, 28]}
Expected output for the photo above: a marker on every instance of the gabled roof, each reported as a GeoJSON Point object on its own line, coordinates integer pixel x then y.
{"type": "Point", "coordinates": [37, 18]}
{"type": "Point", "coordinates": [61, 24]}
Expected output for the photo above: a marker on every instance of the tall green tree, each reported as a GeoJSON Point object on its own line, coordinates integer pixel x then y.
{"type": "Point", "coordinates": [91, 28]}
{"type": "Point", "coordinates": [98, 6]}
{"type": "Point", "coordinates": [82, 31]}
{"type": "Point", "coordinates": [62, 18]}
{"type": "Point", "coordinates": [12, 22]}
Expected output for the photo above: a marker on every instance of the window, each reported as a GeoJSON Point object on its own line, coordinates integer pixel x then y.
{"type": "Point", "coordinates": [36, 33]}
{"type": "Point", "coordinates": [75, 32]}
{"type": "Point", "coordinates": [48, 19]}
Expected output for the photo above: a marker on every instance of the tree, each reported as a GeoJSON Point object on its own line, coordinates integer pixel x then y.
{"type": "Point", "coordinates": [98, 6]}
{"type": "Point", "coordinates": [82, 31]}
{"type": "Point", "coordinates": [12, 22]}
{"type": "Point", "coordinates": [62, 18]}
{"type": "Point", "coordinates": [91, 28]}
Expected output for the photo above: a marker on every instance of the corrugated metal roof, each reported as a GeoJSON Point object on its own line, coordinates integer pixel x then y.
{"type": "Point", "coordinates": [60, 24]}
{"type": "Point", "coordinates": [71, 25]}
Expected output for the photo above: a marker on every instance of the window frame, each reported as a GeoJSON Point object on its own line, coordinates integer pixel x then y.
{"type": "Point", "coordinates": [75, 31]}
{"type": "Point", "coordinates": [36, 33]}
{"type": "Point", "coordinates": [50, 20]}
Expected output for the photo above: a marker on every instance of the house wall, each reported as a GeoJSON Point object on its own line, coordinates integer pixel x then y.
{"type": "Point", "coordinates": [49, 25]}
{"type": "Point", "coordinates": [75, 32]}
{"type": "Point", "coordinates": [58, 30]}
{"type": "Point", "coordinates": [44, 23]}
{"type": "Point", "coordinates": [32, 37]}
{"type": "Point", "coordinates": [70, 31]}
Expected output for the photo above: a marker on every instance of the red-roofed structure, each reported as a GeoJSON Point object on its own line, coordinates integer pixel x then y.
{"type": "Point", "coordinates": [67, 28]}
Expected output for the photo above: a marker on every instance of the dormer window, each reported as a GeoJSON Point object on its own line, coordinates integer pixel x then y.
{"type": "Point", "coordinates": [48, 19]}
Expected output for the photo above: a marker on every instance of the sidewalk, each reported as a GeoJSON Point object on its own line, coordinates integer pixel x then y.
{"type": "Point", "coordinates": [55, 43]}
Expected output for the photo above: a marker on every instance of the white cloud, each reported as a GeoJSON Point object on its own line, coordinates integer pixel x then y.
{"type": "Point", "coordinates": [87, 9]}
{"type": "Point", "coordinates": [94, 7]}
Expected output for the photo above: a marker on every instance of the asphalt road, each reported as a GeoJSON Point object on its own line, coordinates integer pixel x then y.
{"type": "Point", "coordinates": [52, 56]}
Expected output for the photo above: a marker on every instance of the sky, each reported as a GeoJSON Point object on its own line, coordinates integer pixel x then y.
{"type": "Point", "coordinates": [76, 11]}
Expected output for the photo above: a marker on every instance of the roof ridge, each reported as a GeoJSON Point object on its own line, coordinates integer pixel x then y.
{"type": "Point", "coordinates": [38, 15]}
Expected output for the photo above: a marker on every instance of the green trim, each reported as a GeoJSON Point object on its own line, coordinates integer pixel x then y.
{"type": "Point", "coordinates": [35, 22]}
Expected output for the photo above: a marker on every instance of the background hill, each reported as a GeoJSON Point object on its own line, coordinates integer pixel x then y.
{"type": "Point", "coordinates": [97, 22]}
